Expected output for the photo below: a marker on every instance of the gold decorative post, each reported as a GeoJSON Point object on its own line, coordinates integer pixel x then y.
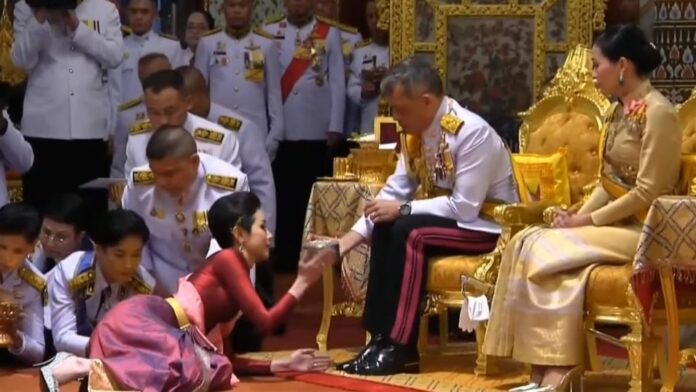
{"type": "Point", "coordinates": [8, 72]}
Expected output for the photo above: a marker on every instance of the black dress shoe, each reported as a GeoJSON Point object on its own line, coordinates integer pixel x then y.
{"type": "Point", "coordinates": [391, 359]}
{"type": "Point", "coordinates": [376, 343]}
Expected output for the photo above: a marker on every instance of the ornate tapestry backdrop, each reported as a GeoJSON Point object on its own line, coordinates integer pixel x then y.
{"type": "Point", "coordinates": [495, 55]}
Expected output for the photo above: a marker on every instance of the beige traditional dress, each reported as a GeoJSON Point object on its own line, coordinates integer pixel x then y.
{"type": "Point", "coordinates": [537, 310]}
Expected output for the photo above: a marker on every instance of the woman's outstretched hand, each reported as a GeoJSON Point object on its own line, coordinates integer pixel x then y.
{"type": "Point", "coordinates": [308, 360]}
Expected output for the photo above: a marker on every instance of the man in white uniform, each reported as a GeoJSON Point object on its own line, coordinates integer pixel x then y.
{"type": "Point", "coordinates": [168, 104]}
{"type": "Point", "coordinates": [370, 62]}
{"type": "Point", "coordinates": [141, 18]}
{"type": "Point", "coordinates": [67, 55]}
{"type": "Point", "coordinates": [173, 194]}
{"type": "Point", "coordinates": [462, 163]}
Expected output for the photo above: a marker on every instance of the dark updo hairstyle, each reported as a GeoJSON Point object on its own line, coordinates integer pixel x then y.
{"type": "Point", "coordinates": [229, 211]}
{"type": "Point", "coordinates": [630, 42]}
{"type": "Point", "coordinates": [116, 225]}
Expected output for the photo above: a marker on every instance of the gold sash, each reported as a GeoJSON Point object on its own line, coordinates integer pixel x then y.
{"type": "Point", "coordinates": [613, 188]}
{"type": "Point", "coordinates": [181, 318]}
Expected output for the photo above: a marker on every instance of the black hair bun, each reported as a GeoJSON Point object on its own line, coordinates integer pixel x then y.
{"type": "Point", "coordinates": [650, 59]}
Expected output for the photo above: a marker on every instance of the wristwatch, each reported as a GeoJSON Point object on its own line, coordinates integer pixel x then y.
{"type": "Point", "coordinates": [405, 209]}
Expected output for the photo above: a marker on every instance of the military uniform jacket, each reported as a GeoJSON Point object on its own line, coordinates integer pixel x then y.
{"type": "Point", "coordinates": [255, 162]}
{"type": "Point", "coordinates": [350, 37]}
{"type": "Point", "coordinates": [29, 286]}
{"type": "Point", "coordinates": [244, 75]}
{"type": "Point", "coordinates": [71, 283]}
{"type": "Point", "coordinates": [67, 94]}
{"type": "Point", "coordinates": [129, 115]}
{"type": "Point", "coordinates": [211, 138]}
{"type": "Point", "coordinates": [138, 46]}
{"type": "Point", "coordinates": [15, 154]}
{"type": "Point", "coordinates": [480, 170]}
{"type": "Point", "coordinates": [316, 102]}
{"type": "Point", "coordinates": [367, 56]}
{"type": "Point", "coordinates": [179, 234]}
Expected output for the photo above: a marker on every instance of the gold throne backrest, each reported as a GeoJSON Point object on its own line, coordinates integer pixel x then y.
{"type": "Point", "coordinates": [571, 115]}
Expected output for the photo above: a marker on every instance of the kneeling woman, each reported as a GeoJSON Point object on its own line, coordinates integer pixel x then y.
{"type": "Point", "coordinates": [148, 343]}
{"type": "Point", "coordinates": [537, 311]}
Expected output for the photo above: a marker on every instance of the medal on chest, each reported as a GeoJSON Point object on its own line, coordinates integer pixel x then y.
{"type": "Point", "coordinates": [220, 53]}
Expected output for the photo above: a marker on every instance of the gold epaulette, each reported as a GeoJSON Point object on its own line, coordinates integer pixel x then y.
{"type": "Point", "coordinates": [222, 182]}
{"type": "Point", "coordinates": [80, 281]}
{"type": "Point", "coordinates": [126, 30]}
{"type": "Point", "coordinates": [141, 127]}
{"type": "Point", "coordinates": [139, 286]}
{"type": "Point", "coordinates": [35, 281]}
{"type": "Point", "coordinates": [130, 104]}
{"type": "Point", "coordinates": [451, 123]}
{"type": "Point", "coordinates": [363, 43]}
{"type": "Point", "coordinates": [274, 19]}
{"type": "Point", "coordinates": [263, 33]}
{"type": "Point", "coordinates": [208, 135]}
{"type": "Point", "coordinates": [230, 123]}
{"type": "Point", "coordinates": [143, 177]}
{"type": "Point", "coordinates": [328, 21]}
{"type": "Point", "coordinates": [346, 28]}
{"type": "Point", "coordinates": [167, 36]}
{"type": "Point", "coordinates": [211, 32]}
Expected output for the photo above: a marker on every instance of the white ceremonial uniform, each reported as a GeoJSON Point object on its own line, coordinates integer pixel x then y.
{"type": "Point", "coordinates": [367, 56]}
{"type": "Point", "coordinates": [315, 104]}
{"type": "Point", "coordinates": [211, 138]}
{"type": "Point", "coordinates": [482, 171]}
{"type": "Point", "coordinates": [179, 234]}
{"type": "Point", "coordinates": [15, 154]}
{"type": "Point", "coordinates": [244, 75]}
{"type": "Point", "coordinates": [255, 162]}
{"type": "Point", "coordinates": [138, 46]}
{"type": "Point", "coordinates": [67, 95]}
{"type": "Point", "coordinates": [350, 36]}
{"type": "Point", "coordinates": [29, 286]}
{"type": "Point", "coordinates": [129, 114]}
{"type": "Point", "coordinates": [80, 278]}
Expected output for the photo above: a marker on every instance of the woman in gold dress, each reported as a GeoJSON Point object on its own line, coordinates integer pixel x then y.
{"type": "Point", "coordinates": [537, 310]}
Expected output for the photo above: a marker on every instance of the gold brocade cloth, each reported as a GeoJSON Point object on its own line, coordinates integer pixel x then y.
{"type": "Point", "coordinates": [666, 240]}
{"type": "Point", "coordinates": [333, 208]}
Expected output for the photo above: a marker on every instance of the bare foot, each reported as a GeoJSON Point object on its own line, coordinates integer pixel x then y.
{"type": "Point", "coordinates": [71, 369]}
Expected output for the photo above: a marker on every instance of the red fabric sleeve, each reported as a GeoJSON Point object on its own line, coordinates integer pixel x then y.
{"type": "Point", "coordinates": [250, 367]}
{"type": "Point", "coordinates": [233, 276]}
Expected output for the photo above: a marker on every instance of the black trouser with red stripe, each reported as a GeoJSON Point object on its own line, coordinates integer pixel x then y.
{"type": "Point", "coordinates": [398, 268]}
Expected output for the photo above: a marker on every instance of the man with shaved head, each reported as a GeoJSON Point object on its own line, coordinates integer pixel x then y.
{"type": "Point", "coordinates": [172, 193]}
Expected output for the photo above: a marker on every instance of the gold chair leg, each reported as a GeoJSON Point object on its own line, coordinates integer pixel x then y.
{"type": "Point", "coordinates": [485, 364]}
{"type": "Point", "coordinates": [423, 334]}
{"type": "Point", "coordinates": [443, 327]}
{"type": "Point", "coordinates": [328, 288]}
{"type": "Point", "coordinates": [670, 374]}
{"type": "Point", "coordinates": [641, 352]}
{"type": "Point", "coordinates": [592, 356]}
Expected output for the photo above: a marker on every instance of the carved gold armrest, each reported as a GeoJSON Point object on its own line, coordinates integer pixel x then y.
{"type": "Point", "coordinates": [520, 214]}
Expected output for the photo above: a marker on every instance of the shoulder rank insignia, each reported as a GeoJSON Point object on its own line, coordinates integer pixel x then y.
{"type": "Point", "coordinates": [208, 135]}
{"type": "Point", "coordinates": [328, 21]}
{"type": "Point", "coordinates": [230, 123]}
{"type": "Point", "coordinates": [139, 286]}
{"type": "Point", "coordinates": [167, 36]}
{"type": "Point", "coordinates": [143, 177]}
{"type": "Point", "coordinates": [130, 104]}
{"type": "Point", "coordinates": [346, 28]}
{"type": "Point", "coordinates": [263, 33]}
{"type": "Point", "coordinates": [83, 281]}
{"type": "Point", "coordinates": [222, 182]}
{"type": "Point", "coordinates": [35, 281]}
{"type": "Point", "coordinates": [451, 123]}
{"type": "Point", "coordinates": [274, 19]}
{"type": "Point", "coordinates": [141, 127]}
{"type": "Point", "coordinates": [211, 32]}
{"type": "Point", "coordinates": [363, 43]}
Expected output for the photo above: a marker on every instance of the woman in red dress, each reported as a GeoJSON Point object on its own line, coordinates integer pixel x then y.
{"type": "Point", "coordinates": [148, 343]}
